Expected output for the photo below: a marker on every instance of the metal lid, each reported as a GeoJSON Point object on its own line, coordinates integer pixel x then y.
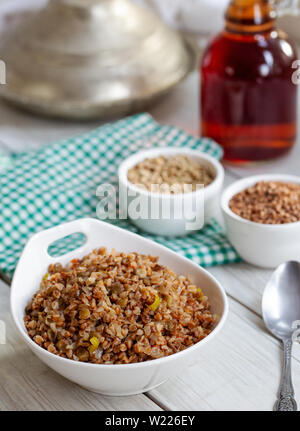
{"type": "Point", "coordinates": [92, 58]}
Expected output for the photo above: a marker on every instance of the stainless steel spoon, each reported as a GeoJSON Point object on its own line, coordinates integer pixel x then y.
{"type": "Point", "coordinates": [281, 311]}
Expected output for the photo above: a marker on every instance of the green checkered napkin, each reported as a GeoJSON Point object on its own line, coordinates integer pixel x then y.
{"type": "Point", "coordinates": [55, 184]}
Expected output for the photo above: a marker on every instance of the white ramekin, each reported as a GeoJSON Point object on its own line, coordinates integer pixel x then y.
{"type": "Point", "coordinates": [174, 226]}
{"type": "Point", "coordinates": [263, 245]}
{"type": "Point", "coordinates": [114, 380]}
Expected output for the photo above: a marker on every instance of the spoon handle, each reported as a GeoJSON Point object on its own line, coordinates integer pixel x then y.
{"type": "Point", "coordinates": [286, 401]}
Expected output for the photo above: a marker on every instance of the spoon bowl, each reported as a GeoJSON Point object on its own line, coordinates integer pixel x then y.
{"type": "Point", "coordinates": [281, 300]}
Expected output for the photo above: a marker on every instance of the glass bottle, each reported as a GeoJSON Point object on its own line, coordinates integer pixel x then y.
{"type": "Point", "coordinates": [248, 98]}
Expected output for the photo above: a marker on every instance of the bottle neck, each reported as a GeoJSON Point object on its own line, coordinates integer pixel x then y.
{"type": "Point", "coordinates": [250, 16]}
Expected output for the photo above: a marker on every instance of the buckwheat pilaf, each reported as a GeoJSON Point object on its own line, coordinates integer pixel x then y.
{"type": "Point", "coordinates": [117, 308]}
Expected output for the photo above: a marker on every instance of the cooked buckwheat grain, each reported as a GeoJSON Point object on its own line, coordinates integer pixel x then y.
{"type": "Point", "coordinates": [117, 308]}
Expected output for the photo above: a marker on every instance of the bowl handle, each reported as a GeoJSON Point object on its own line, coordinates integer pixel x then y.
{"type": "Point", "coordinates": [36, 250]}
{"type": "Point", "coordinates": [43, 239]}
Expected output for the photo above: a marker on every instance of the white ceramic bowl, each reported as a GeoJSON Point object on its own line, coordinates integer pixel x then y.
{"type": "Point", "coordinates": [172, 226]}
{"type": "Point", "coordinates": [115, 380]}
{"type": "Point", "coordinates": [262, 245]}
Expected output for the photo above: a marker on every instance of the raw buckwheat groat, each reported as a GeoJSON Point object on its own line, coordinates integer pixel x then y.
{"type": "Point", "coordinates": [117, 308]}
{"type": "Point", "coordinates": [268, 202]}
{"type": "Point", "coordinates": [173, 172]}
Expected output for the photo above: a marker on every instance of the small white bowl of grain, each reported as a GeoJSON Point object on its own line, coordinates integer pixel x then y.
{"type": "Point", "coordinates": [262, 218]}
{"type": "Point", "coordinates": [174, 191]}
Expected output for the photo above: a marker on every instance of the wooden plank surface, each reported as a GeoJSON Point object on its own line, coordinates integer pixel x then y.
{"type": "Point", "coordinates": [244, 283]}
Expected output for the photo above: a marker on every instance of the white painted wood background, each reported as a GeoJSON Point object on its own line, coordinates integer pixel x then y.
{"type": "Point", "coordinates": [201, 17]}
{"type": "Point", "coordinates": [240, 370]}
{"type": "Point", "coordinates": [197, 16]}
{"type": "Point", "coordinates": [206, 17]}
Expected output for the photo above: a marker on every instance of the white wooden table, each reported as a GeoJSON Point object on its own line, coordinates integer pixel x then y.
{"type": "Point", "coordinates": [240, 371]}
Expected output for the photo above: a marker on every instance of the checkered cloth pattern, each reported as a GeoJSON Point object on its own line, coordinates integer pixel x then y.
{"type": "Point", "coordinates": [57, 183]}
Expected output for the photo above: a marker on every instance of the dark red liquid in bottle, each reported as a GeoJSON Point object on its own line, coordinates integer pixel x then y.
{"type": "Point", "coordinates": [248, 99]}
